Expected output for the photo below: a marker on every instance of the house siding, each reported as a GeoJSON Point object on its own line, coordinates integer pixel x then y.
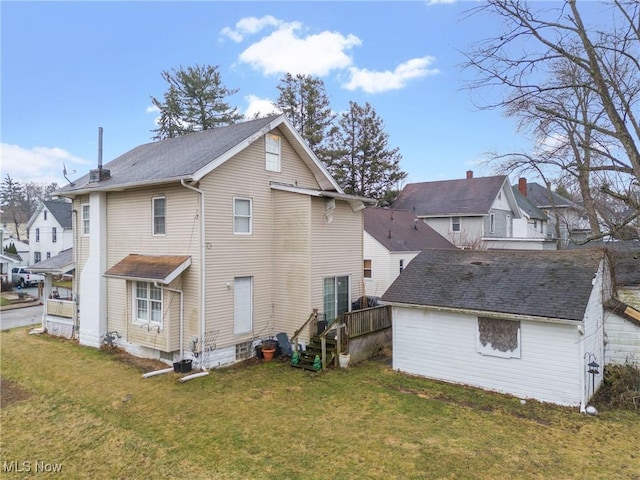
{"type": "Point", "coordinates": [380, 266]}
{"type": "Point", "coordinates": [623, 341]}
{"type": "Point", "coordinates": [336, 248]}
{"type": "Point", "coordinates": [253, 255]}
{"type": "Point", "coordinates": [471, 230]}
{"type": "Point", "coordinates": [442, 345]}
{"type": "Point", "coordinates": [292, 258]}
{"type": "Point", "coordinates": [130, 231]}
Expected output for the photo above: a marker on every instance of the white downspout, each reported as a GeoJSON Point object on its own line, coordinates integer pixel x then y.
{"type": "Point", "coordinates": [583, 396]}
{"type": "Point", "coordinates": [181, 293]}
{"type": "Point", "coordinates": [203, 263]}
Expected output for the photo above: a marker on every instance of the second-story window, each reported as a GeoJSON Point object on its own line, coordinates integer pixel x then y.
{"type": "Point", "coordinates": [54, 234]}
{"type": "Point", "coordinates": [86, 223]}
{"type": "Point", "coordinates": [242, 215]}
{"type": "Point", "coordinates": [455, 224]}
{"type": "Point", "coordinates": [367, 268]}
{"type": "Point", "coordinates": [492, 223]}
{"type": "Point", "coordinates": [45, 214]}
{"type": "Point", "coordinates": [159, 218]}
{"type": "Point", "coordinates": [401, 265]}
{"type": "Point", "coordinates": [272, 145]}
{"type": "Point", "coordinates": [37, 234]}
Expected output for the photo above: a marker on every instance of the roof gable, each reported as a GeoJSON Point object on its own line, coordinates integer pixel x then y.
{"type": "Point", "coordinates": [399, 230]}
{"type": "Point", "coordinates": [190, 157]}
{"type": "Point", "coordinates": [460, 197]}
{"type": "Point", "coordinates": [554, 284]}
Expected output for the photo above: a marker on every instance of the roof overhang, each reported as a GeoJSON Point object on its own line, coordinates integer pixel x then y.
{"type": "Point", "coordinates": [355, 202]}
{"type": "Point", "coordinates": [485, 313]}
{"type": "Point", "coordinates": [150, 268]}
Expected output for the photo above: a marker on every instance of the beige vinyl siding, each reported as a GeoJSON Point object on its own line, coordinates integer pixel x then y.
{"type": "Point", "coordinates": [337, 248]}
{"type": "Point", "coordinates": [292, 246]}
{"type": "Point", "coordinates": [130, 231]}
{"type": "Point", "coordinates": [470, 229]}
{"type": "Point", "coordinates": [231, 255]}
{"type": "Point", "coordinates": [80, 242]}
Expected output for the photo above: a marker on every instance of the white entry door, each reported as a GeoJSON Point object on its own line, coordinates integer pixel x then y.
{"type": "Point", "coordinates": [242, 305]}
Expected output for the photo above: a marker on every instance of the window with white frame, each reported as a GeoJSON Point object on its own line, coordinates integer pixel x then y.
{"type": "Point", "coordinates": [272, 147]}
{"type": "Point", "coordinates": [401, 264]}
{"type": "Point", "coordinates": [242, 215]}
{"type": "Point", "coordinates": [492, 223]}
{"type": "Point", "coordinates": [159, 217]}
{"type": "Point", "coordinates": [242, 305]}
{"type": "Point", "coordinates": [86, 223]}
{"type": "Point", "coordinates": [336, 297]}
{"type": "Point", "coordinates": [367, 269]}
{"type": "Point", "coordinates": [45, 214]}
{"type": "Point", "coordinates": [54, 234]}
{"type": "Point", "coordinates": [498, 337]}
{"type": "Point", "coordinates": [37, 257]}
{"type": "Point", "coordinates": [48, 255]}
{"type": "Point", "coordinates": [147, 307]}
{"type": "Point", "coordinates": [37, 234]}
{"type": "Point", "coordinates": [455, 224]}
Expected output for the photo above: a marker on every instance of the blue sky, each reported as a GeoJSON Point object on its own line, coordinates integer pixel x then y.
{"type": "Point", "coordinates": [71, 67]}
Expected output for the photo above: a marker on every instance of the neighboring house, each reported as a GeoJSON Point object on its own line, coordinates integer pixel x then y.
{"type": "Point", "coordinates": [567, 222]}
{"type": "Point", "coordinates": [533, 223]}
{"type": "Point", "coordinates": [50, 230]}
{"type": "Point", "coordinates": [201, 245]}
{"type": "Point", "coordinates": [7, 262]}
{"type": "Point", "coordinates": [22, 249]}
{"type": "Point", "coordinates": [59, 312]}
{"type": "Point", "coordinates": [472, 213]}
{"type": "Point", "coordinates": [392, 238]}
{"type": "Point", "coordinates": [524, 323]}
{"type": "Point", "coordinates": [8, 223]}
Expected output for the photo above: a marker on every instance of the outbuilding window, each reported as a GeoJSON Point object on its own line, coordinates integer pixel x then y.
{"type": "Point", "coordinates": [498, 337]}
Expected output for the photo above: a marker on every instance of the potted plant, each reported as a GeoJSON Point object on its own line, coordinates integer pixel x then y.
{"type": "Point", "coordinates": [268, 349]}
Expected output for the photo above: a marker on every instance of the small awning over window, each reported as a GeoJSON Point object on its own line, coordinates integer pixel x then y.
{"type": "Point", "coordinates": [150, 268]}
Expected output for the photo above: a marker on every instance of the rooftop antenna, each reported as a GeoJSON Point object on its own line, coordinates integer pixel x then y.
{"type": "Point", "coordinates": [64, 174]}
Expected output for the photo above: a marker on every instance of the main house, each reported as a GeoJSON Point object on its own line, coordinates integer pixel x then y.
{"type": "Point", "coordinates": [475, 213]}
{"type": "Point", "coordinates": [392, 238]}
{"type": "Point", "coordinates": [201, 245]}
{"type": "Point", "coordinates": [50, 230]}
{"type": "Point", "coordinates": [527, 323]}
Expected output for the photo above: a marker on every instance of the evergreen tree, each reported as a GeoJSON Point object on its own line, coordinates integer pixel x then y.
{"type": "Point", "coordinates": [195, 101]}
{"type": "Point", "coordinates": [361, 160]}
{"type": "Point", "coordinates": [303, 99]}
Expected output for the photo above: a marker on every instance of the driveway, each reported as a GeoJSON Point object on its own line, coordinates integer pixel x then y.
{"type": "Point", "coordinates": [21, 317]}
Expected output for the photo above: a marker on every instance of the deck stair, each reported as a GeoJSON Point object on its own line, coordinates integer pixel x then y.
{"type": "Point", "coordinates": [307, 358]}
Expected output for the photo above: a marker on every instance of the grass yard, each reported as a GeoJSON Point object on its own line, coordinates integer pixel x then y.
{"type": "Point", "coordinates": [92, 413]}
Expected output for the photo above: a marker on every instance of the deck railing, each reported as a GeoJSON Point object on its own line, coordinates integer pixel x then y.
{"type": "Point", "coordinates": [60, 308]}
{"type": "Point", "coordinates": [368, 320]}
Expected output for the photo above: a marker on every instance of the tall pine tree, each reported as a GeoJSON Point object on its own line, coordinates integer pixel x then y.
{"type": "Point", "coordinates": [195, 101]}
{"type": "Point", "coordinates": [361, 159]}
{"type": "Point", "coordinates": [304, 101]}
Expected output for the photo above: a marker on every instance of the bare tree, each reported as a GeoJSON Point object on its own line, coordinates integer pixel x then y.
{"type": "Point", "coordinates": [577, 83]}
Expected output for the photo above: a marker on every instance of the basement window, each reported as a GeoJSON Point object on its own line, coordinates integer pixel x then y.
{"type": "Point", "coordinates": [498, 337]}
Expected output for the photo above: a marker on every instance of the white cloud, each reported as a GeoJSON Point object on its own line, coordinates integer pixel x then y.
{"type": "Point", "coordinates": [287, 50]}
{"type": "Point", "coordinates": [259, 106]}
{"type": "Point", "coordinates": [377, 82]}
{"type": "Point", "coordinates": [152, 109]}
{"type": "Point", "coordinates": [38, 164]}
{"type": "Point", "coordinates": [249, 26]}
{"type": "Point", "coordinates": [439, 2]}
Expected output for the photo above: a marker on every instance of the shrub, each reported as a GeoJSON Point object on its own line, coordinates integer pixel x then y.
{"type": "Point", "coordinates": [621, 387]}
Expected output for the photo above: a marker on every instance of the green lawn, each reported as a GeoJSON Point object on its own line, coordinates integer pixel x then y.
{"type": "Point", "coordinates": [91, 412]}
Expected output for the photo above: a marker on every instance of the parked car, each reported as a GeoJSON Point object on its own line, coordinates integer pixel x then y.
{"type": "Point", "coordinates": [25, 278]}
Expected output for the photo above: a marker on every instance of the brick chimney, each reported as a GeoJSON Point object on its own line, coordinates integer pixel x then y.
{"type": "Point", "coordinates": [469, 173]}
{"type": "Point", "coordinates": [522, 186]}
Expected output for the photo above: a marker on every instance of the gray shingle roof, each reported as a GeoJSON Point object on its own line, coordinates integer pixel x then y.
{"type": "Point", "coordinates": [399, 230]}
{"type": "Point", "coordinates": [555, 284]}
{"type": "Point", "coordinates": [467, 196]}
{"type": "Point", "coordinates": [173, 158]}
{"type": "Point", "coordinates": [541, 197]}
{"type": "Point", "coordinates": [61, 212]}
{"type": "Point", "coordinates": [527, 206]}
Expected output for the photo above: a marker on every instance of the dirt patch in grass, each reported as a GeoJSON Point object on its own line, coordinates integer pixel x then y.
{"type": "Point", "coordinates": [140, 364]}
{"type": "Point", "coordinates": [11, 392]}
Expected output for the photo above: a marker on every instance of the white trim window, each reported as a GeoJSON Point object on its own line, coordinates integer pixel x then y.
{"type": "Point", "coordinates": [492, 223]}
{"type": "Point", "coordinates": [86, 218]}
{"type": "Point", "coordinates": [242, 216]}
{"type": "Point", "coordinates": [455, 224]}
{"type": "Point", "coordinates": [37, 234]}
{"type": "Point", "coordinates": [37, 257]}
{"type": "Point", "coordinates": [368, 272]}
{"type": "Point", "coordinates": [158, 212]}
{"type": "Point", "coordinates": [272, 152]}
{"type": "Point", "coordinates": [401, 265]}
{"type": "Point", "coordinates": [147, 304]}
{"type": "Point", "coordinates": [54, 235]}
